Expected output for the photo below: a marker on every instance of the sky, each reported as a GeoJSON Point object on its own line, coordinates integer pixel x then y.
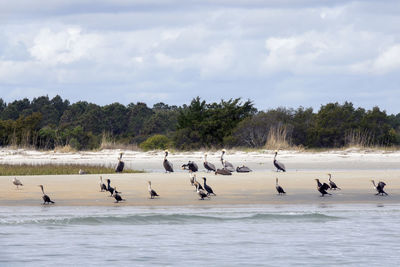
{"type": "Point", "coordinates": [277, 53]}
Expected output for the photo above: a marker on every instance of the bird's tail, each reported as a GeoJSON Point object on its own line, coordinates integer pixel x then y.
{"type": "Point", "coordinates": [52, 201]}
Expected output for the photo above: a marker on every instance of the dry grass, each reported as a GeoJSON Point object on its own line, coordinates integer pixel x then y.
{"type": "Point", "coordinates": [108, 142]}
{"type": "Point", "coordinates": [357, 138]}
{"type": "Point", "coordinates": [278, 138]}
{"type": "Point", "coordinates": [55, 169]}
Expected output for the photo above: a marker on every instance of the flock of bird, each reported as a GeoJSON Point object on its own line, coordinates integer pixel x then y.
{"type": "Point", "coordinates": [204, 191]}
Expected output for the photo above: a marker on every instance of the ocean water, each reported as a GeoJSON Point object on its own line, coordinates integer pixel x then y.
{"type": "Point", "coordinates": [266, 235]}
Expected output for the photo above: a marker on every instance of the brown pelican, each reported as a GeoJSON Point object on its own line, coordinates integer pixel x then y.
{"type": "Point", "coordinates": [209, 166]}
{"type": "Point", "coordinates": [196, 184]}
{"type": "Point", "coordinates": [332, 184]}
{"type": "Point", "coordinates": [225, 164]}
{"type": "Point", "coordinates": [17, 182]}
{"type": "Point", "coordinates": [243, 169]}
{"type": "Point", "coordinates": [103, 187]}
{"type": "Point", "coordinates": [208, 188]}
{"type": "Point", "coordinates": [167, 165]}
{"type": "Point", "coordinates": [379, 188]}
{"type": "Point", "coordinates": [202, 194]}
{"type": "Point", "coordinates": [322, 188]}
{"type": "Point", "coordinates": [223, 172]}
{"type": "Point", "coordinates": [121, 164]}
{"type": "Point", "coordinates": [117, 197]}
{"type": "Point", "coordinates": [46, 198]}
{"type": "Point", "coordinates": [279, 165]}
{"type": "Point", "coordinates": [191, 175]}
{"type": "Point", "coordinates": [151, 191]}
{"type": "Point", "coordinates": [191, 165]}
{"type": "Point", "coordinates": [279, 188]}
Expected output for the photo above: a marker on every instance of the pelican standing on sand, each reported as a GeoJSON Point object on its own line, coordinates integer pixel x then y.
{"type": "Point", "coordinates": [46, 198]}
{"type": "Point", "coordinates": [120, 164]}
{"type": "Point", "coordinates": [279, 165]}
{"type": "Point", "coordinates": [151, 191]}
{"type": "Point", "coordinates": [196, 184]}
{"type": "Point", "coordinates": [17, 182]}
{"type": "Point", "coordinates": [103, 187]}
{"type": "Point", "coordinates": [209, 166]}
{"type": "Point", "coordinates": [168, 166]}
{"type": "Point", "coordinates": [191, 166]}
{"type": "Point", "coordinates": [225, 164]}
{"type": "Point", "coordinates": [208, 188]}
{"type": "Point", "coordinates": [332, 184]}
{"type": "Point", "coordinates": [279, 188]}
{"type": "Point", "coordinates": [117, 197]}
{"type": "Point", "coordinates": [322, 188]}
{"type": "Point", "coordinates": [379, 188]}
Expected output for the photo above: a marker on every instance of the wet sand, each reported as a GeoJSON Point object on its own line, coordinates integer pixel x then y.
{"type": "Point", "coordinates": [175, 189]}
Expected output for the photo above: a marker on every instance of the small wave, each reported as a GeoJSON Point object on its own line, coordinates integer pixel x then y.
{"type": "Point", "coordinates": [144, 219]}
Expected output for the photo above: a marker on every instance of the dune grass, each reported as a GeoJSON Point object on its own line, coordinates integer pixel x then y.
{"type": "Point", "coordinates": [56, 169]}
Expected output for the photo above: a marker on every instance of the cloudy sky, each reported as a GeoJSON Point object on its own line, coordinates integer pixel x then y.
{"type": "Point", "coordinates": [274, 52]}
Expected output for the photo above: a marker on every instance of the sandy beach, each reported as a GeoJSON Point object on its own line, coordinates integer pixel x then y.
{"type": "Point", "coordinates": [175, 189]}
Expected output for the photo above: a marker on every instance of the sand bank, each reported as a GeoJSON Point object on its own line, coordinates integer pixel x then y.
{"type": "Point", "coordinates": [175, 189]}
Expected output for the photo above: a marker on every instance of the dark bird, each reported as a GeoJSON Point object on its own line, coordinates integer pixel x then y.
{"type": "Point", "coordinates": [209, 166]}
{"type": "Point", "coordinates": [191, 165]}
{"type": "Point", "coordinates": [279, 188]}
{"type": "Point", "coordinates": [279, 165]}
{"type": "Point", "coordinates": [243, 169]}
{"type": "Point", "coordinates": [151, 191]}
{"type": "Point", "coordinates": [120, 164]}
{"type": "Point", "coordinates": [322, 188]}
{"type": "Point", "coordinates": [46, 198]}
{"type": "Point", "coordinates": [332, 184]}
{"type": "Point", "coordinates": [202, 194]}
{"type": "Point", "coordinates": [17, 182]}
{"type": "Point", "coordinates": [379, 188]}
{"type": "Point", "coordinates": [103, 187]}
{"type": "Point", "coordinates": [225, 164]}
{"type": "Point", "coordinates": [111, 189]}
{"type": "Point", "coordinates": [167, 165]}
{"type": "Point", "coordinates": [223, 172]}
{"type": "Point", "coordinates": [117, 197]}
{"type": "Point", "coordinates": [208, 188]}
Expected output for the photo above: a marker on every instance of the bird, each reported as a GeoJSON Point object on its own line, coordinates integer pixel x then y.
{"type": "Point", "coordinates": [279, 165]}
{"type": "Point", "coordinates": [117, 197]}
{"type": "Point", "coordinates": [208, 188]}
{"type": "Point", "coordinates": [209, 166]}
{"type": "Point", "coordinates": [81, 172]}
{"type": "Point", "coordinates": [279, 188]}
{"type": "Point", "coordinates": [223, 172]}
{"type": "Point", "coordinates": [151, 191]}
{"type": "Point", "coordinates": [111, 189]}
{"type": "Point", "coordinates": [168, 166]}
{"type": "Point", "coordinates": [191, 165]}
{"type": "Point", "coordinates": [332, 184]}
{"type": "Point", "coordinates": [379, 188]}
{"type": "Point", "coordinates": [243, 169]}
{"type": "Point", "coordinates": [103, 187]}
{"type": "Point", "coordinates": [322, 188]}
{"type": "Point", "coordinates": [196, 184]}
{"type": "Point", "coordinates": [202, 194]}
{"type": "Point", "coordinates": [120, 164]}
{"type": "Point", "coordinates": [225, 164]}
{"type": "Point", "coordinates": [17, 182]}
{"type": "Point", "coordinates": [191, 175]}
{"type": "Point", "coordinates": [46, 198]}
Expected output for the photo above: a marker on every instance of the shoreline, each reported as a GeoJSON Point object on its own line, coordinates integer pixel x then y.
{"type": "Point", "coordinates": [256, 188]}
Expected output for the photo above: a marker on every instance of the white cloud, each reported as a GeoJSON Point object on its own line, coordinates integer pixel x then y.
{"type": "Point", "coordinates": [63, 47]}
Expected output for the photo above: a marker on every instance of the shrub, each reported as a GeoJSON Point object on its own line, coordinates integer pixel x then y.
{"type": "Point", "coordinates": [157, 141]}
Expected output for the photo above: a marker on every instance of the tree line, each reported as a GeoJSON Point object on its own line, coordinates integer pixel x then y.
{"type": "Point", "coordinates": [46, 123]}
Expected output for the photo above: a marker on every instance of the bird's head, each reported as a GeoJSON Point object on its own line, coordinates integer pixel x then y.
{"type": "Point", "coordinates": [149, 182]}
{"type": "Point", "coordinates": [204, 178]}
{"type": "Point", "coordinates": [223, 151]}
